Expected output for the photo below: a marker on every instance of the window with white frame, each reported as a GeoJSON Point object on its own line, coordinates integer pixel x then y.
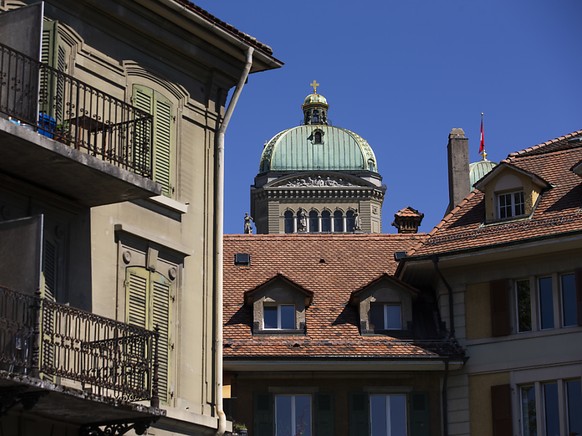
{"type": "Point", "coordinates": [545, 302]}
{"type": "Point", "coordinates": [510, 204]}
{"type": "Point", "coordinates": [386, 316]}
{"type": "Point", "coordinates": [551, 408]}
{"type": "Point", "coordinates": [293, 415]}
{"type": "Point", "coordinates": [388, 414]}
{"type": "Point", "coordinates": [280, 317]}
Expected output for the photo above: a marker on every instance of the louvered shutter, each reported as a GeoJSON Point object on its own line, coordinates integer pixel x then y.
{"type": "Point", "coordinates": [137, 295]}
{"type": "Point", "coordinates": [49, 270]}
{"type": "Point", "coordinates": [163, 143]}
{"type": "Point", "coordinates": [49, 38]}
{"type": "Point", "coordinates": [324, 419]}
{"type": "Point", "coordinates": [579, 295]}
{"type": "Point", "coordinates": [160, 107]}
{"type": "Point", "coordinates": [501, 410]}
{"type": "Point", "coordinates": [263, 415]}
{"type": "Point", "coordinates": [359, 415]}
{"type": "Point", "coordinates": [160, 306]}
{"type": "Point", "coordinates": [419, 414]}
{"type": "Point", "coordinates": [500, 308]}
{"type": "Point", "coordinates": [143, 99]}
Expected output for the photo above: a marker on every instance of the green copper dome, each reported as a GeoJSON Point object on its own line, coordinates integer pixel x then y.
{"type": "Point", "coordinates": [316, 145]}
{"type": "Point", "coordinates": [477, 170]}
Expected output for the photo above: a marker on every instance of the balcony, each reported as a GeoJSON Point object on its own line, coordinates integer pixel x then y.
{"type": "Point", "coordinates": [69, 365]}
{"type": "Point", "coordinates": [68, 137]}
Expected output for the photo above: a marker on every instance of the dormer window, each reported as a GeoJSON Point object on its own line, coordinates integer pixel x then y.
{"type": "Point", "coordinates": [281, 316]}
{"type": "Point", "coordinates": [385, 316]}
{"type": "Point", "coordinates": [510, 205]}
{"type": "Point", "coordinates": [278, 306]}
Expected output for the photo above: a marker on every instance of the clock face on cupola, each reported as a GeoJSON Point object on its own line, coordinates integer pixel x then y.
{"type": "Point", "coordinates": [317, 178]}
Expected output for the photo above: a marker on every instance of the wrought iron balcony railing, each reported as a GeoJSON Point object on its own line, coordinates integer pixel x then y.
{"type": "Point", "coordinates": [43, 339]}
{"type": "Point", "coordinates": [68, 110]}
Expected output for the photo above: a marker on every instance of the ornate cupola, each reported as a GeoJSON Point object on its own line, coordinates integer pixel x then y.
{"type": "Point", "coordinates": [315, 107]}
{"type": "Point", "coordinates": [317, 178]}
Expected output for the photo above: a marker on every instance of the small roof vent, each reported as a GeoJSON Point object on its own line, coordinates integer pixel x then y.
{"type": "Point", "coordinates": [243, 259]}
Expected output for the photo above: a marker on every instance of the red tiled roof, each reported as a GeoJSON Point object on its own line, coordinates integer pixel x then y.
{"type": "Point", "coordinates": [332, 266]}
{"type": "Point", "coordinates": [227, 27]}
{"type": "Point", "coordinates": [558, 210]}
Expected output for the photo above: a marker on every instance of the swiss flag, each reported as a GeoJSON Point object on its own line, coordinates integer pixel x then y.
{"type": "Point", "coordinates": [482, 143]}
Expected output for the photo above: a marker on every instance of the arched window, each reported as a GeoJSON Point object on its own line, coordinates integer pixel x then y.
{"type": "Point", "coordinates": [289, 222]}
{"type": "Point", "coordinates": [313, 222]}
{"type": "Point", "coordinates": [325, 221]}
{"type": "Point", "coordinates": [315, 117]}
{"type": "Point", "coordinates": [350, 221]}
{"type": "Point", "coordinates": [317, 137]}
{"type": "Point", "coordinates": [338, 221]}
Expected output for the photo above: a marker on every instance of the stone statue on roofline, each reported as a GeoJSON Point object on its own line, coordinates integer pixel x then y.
{"type": "Point", "coordinates": [301, 220]}
{"type": "Point", "coordinates": [248, 226]}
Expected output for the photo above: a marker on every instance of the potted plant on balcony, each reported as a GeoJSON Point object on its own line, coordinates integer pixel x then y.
{"type": "Point", "coordinates": [61, 132]}
{"type": "Point", "coordinates": [239, 429]}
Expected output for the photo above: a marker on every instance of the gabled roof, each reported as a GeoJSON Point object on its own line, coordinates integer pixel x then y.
{"type": "Point", "coordinates": [281, 279]}
{"type": "Point", "coordinates": [354, 297]}
{"type": "Point", "coordinates": [558, 211]}
{"type": "Point", "coordinates": [505, 165]}
{"type": "Point", "coordinates": [332, 267]}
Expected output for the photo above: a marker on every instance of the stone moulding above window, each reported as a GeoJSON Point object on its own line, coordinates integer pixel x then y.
{"type": "Point", "coordinates": [506, 179]}
{"type": "Point", "coordinates": [278, 291]}
{"type": "Point", "coordinates": [385, 290]}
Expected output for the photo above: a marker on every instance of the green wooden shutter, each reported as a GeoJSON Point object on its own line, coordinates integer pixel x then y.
{"type": "Point", "coordinates": [579, 295]}
{"type": "Point", "coordinates": [419, 414]}
{"type": "Point", "coordinates": [324, 417]}
{"type": "Point", "coordinates": [148, 297]}
{"type": "Point", "coordinates": [142, 99]}
{"type": "Point", "coordinates": [160, 304]}
{"type": "Point", "coordinates": [501, 410]}
{"type": "Point", "coordinates": [137, 290]}
{"type": "Point", "coordinates": [163, 143]}
{"type": "Point", "coordinates": [500, 308]}
{"type": "Point", "coordinates": [160, 107]}
{"type": "Point", "coordinates": [359, 415]}
{"type": "Point", "coordinates": [263, 415]}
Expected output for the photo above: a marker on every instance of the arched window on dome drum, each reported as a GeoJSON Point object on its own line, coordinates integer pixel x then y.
{"type": "Point", "coordinates": [350, 221]}
{"type": "Point", "coordinates": [325, 221]}
{"type": "Point", "coordinates": [317, 138]}
{"type": "Point", "coordinates": [315, 117]}
{"type": "Point", "coordinates": [338, 221]}
{"type": "Point", "coordinates": [289, 222]}
{"type": "Point", "coordinates": [313, 222]}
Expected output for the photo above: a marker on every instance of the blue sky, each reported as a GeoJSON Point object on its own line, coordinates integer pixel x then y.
{"type": "Point", "coordinates": [402, 74]}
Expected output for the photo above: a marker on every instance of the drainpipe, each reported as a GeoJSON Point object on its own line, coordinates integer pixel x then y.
{"type": "Point", "coordinates": [219, 237]}
{"type": "Point", "coordinates": [445, 399]}
{"type": "Point", "coordinates": [435, 261]}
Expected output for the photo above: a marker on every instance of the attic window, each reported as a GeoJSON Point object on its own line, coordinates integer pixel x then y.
{"type": "Point", "coordinates": [385, 316]}
{"type": "Point", "coordinates": [243, 259]}
{"type": "Point", "coordinates": [510, 204]}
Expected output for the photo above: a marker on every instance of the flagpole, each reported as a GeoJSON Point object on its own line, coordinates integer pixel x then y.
{"type": "Point", "coordinates": [482, 151]}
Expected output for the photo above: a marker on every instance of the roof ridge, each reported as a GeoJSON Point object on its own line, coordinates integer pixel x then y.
{"type": "Point", "coordinates": [442, 222]}
{"type": "Point", "coordinates": [541, 145]}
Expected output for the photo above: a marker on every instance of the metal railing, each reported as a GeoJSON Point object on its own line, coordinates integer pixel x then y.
{"type": "Point", "coordinates": [70, 111]}
{"type": "Point", "coordinates": [43, 339]}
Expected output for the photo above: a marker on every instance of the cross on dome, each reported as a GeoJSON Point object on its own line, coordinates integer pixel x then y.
{"type": "Point", "coordinates": [314, 84]}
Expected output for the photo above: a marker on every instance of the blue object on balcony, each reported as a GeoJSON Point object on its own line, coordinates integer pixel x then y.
{"type": "Point", "coordinates": [46, 125]}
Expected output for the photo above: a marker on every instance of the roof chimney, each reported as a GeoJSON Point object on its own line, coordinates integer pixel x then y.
{"type": "Point", "coordinates": [407, 220]}
{"type": "Point", "coordinates": [458, 160]}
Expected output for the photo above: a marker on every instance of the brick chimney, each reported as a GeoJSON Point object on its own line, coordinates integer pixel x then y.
{"type": "Point", "coordinates": [458, 161]}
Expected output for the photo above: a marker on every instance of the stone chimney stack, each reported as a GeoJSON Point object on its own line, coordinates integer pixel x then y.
{"type": "Point", "coordinates": [458, 160]}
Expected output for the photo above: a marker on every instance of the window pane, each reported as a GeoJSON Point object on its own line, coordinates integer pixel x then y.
{"type": "Point", "coordinates": [283, 415]}
{"type": "Point", "coordinates": [325, 221]}
{"type": "Point", "coordinates": [518, 203]}
{"type": "Point", "coordinates": [287, 316]}
{"type": "Point", "coordinates": [338, 221]}
{"type": "Point", "coordinates": [313, 222]}
{"type": "Point", "coordinates": [504, 206]}
{"type": "Point", "coordinates": [398, 415]}
{"type": "Point", "coordinates": [270, 317]}
{"type": "Point", "coordinates": [546, 303]}
{"type": "Point", "coordinates": [523, 297]}
{"type": "Point", "coordinates": [376, 316]}
{"type": "Point", "coordinates": [302, 415]}
{"type": "Point", "coordinates": [289, 222]}
{"type": "Point", "coordinates": [551, 409]}
{"type": "Point", "coordinates": [528, 411]}
{"type": "Point", "coordinates": [378, 415]}
{"type": "Point", "coordinates": [574, 399]}
{"type": "Point", "coordinates": [568, 285]}
{"type": "Point", "coordinates": [392, 317]}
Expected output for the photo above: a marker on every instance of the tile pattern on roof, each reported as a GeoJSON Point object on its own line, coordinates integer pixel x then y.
{"type": "Point", "coordinates": [558, 210]}
{"type": "Point", "coordinates": [332, 266]}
